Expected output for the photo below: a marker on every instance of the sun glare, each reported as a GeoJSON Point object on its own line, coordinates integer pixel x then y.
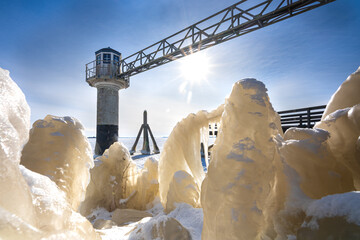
{"type": "Point", "coordinates": [195, 67]}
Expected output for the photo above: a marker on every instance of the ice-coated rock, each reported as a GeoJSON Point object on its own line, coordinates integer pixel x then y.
{"type": "Point", "coordinates": [126, 216]}
{"type": "Point", "coordinates": [181, 151]}
{"type": "Point", "coordinates": [160, 228]}
{"type": "Point", "coordinates": [182, 189]}
{"type": "Point", "coordinates": [332, 217]}
{"type": "Point", "coordinates": [104, 224]}
{"type": "Point", "coordinates": [117, 183]}
{"type": "Point", "coordinates": [347, 95]}
{"type": "Point", "coordinates": [242, 192]}
{"type": "Point", "coordinates": [57, 148]}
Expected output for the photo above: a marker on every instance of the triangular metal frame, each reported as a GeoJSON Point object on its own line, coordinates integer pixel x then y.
{"type": "Point", "coordinates": [146, 144]}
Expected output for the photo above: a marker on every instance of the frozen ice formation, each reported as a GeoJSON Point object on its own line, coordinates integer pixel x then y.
{"type": "Point", "coordinates": [31, 205]}
{"type": "Point", "coordinates": [57, 148]}
{"type": "Point", "coordinates": [344, 128]}
{"type": "Point", "coordinates": [14, 118]}
{"type": "Point", "coordinates": [16, 209]}
{"type": "Point", "coordinates": [317, 167]}
{"type": "Point", "coordinates": [346, 96]}
{"type": "Point", "coordinates": [142, 192]}
{"type": "Point", "coordinates": [181, 151]}
{"type": "Point", "coordinates": [264, 185]}
{"type": "Point", "coordinates": [108, 179]}
{"type": "Point", "coordinates": [117, 183]}
{"type": "Point", "coordinates": [182, 189]}
{"type": "Point", "coordinates": [240, 191]}
{"type": "Point", "coordinates": [55, 215]}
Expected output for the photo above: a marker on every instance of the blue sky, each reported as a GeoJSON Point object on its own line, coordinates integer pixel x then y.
{"type": "Point", "coordinates": [46, 44]}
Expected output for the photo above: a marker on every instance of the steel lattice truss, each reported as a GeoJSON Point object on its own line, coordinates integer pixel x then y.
{"type": "Point", "coordinates": [241, 18]}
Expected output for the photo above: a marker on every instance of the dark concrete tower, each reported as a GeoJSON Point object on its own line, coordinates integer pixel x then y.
{"type": "Point", "coordinates": [103, 73]}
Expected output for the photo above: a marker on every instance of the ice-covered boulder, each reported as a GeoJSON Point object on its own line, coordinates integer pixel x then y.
{"type": "Point", "coordinates": [115, 182]}
{"type": "Point", "coordinates": [347, 95]}
{"type": "Point", "coordinates": [332, 217]}
{"type": "Point", "coordinates": [242, 189]}
{"type": "Point", "coordinates": [160, 228]}
{"type": "Point", "coordinates": [182, 189]}
{"type": "Point", "coordinates": [57, 148]}
{"type": "Point", "coordinates": [126, 216]}
{"type": "Point", "coordinates": [104, 224]}
{"type": "Point", "coordinates": [181, 151]}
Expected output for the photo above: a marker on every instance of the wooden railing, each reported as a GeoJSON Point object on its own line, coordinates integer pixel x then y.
{"type": "Point", "coordinates": [301, 117]}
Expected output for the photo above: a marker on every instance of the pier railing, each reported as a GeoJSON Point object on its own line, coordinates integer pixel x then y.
{"type": "Point", "coordinates": [301, 117]}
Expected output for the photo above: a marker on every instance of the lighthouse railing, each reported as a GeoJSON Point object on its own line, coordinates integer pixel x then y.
{"type": "Point", "coordinates": [102, 69]}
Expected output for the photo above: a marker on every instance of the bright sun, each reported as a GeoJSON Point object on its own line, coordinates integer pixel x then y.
{"type": "Point", "coordinates": [195, 67]}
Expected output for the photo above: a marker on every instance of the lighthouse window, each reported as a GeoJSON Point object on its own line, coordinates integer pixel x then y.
{"type": "Point", "coordinates": [98, 59]}
{"type": "Point", "coordinates": [116, 59]}
{"type": "Point", "coordinates": [106, 58]}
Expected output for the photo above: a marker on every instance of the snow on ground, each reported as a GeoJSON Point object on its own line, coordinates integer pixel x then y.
{"type": "Point", "coordinates": [191, 218]}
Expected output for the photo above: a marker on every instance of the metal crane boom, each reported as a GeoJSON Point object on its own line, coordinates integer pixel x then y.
{"type": "Point", "coordinates": [233, 21]}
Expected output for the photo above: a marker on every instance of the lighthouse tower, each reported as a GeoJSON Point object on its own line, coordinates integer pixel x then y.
{"type": "Point", "coordinates": [103, 73]}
